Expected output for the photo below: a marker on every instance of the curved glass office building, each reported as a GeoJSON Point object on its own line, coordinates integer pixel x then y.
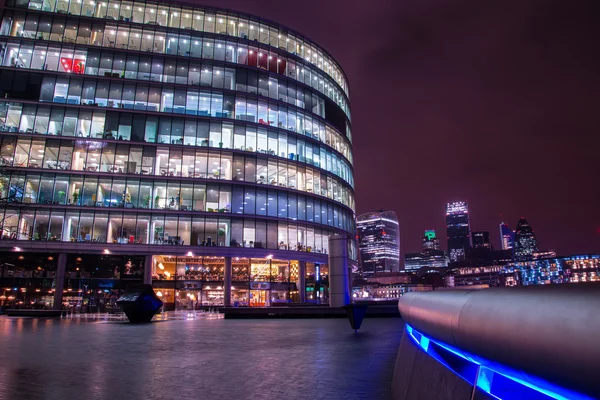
{"type": "Point", "coordinates": [206, 151]}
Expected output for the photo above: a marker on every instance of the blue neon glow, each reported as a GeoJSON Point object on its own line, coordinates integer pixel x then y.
{"type": "Point", "coordinates": [488, 371]}
{"type": "Point", "coordinates": [425, 343]}
{"type": "Point", "coordinates": [484, 379]}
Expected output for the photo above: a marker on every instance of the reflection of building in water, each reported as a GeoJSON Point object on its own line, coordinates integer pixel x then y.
{"type": "Point", "coordinates": [160, 130]}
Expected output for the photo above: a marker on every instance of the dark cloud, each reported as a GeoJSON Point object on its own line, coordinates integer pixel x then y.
{"type": "Point", "coordinates": [491, 102]}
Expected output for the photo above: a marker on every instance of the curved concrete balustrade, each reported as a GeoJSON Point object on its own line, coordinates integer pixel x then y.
{"type": "Point", "coordinates": [547, 332]}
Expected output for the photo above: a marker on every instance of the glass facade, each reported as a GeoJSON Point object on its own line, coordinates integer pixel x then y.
{"type": "Point", "coordinates": [507, 237]}
{"type": "Point", "coordinates": [292, 59]}
{"type": "Point", "coordinates": [93, 283]}
{"type": "Point", "coordinates": [379, 242]}
{"type": "Point", "coordinates": [525, 243]}
{"type": "Point", "coordinates": [88, 125]}
{"type": "Point", "coordinates": [193, 136]}
{"type": "Point", "coordinates": [458, 229]}
{"type": "Point", "coordinates": [187, 283]}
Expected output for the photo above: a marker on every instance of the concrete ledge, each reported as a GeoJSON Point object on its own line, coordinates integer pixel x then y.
{"type": "Point", "coordinates": [377, 311]}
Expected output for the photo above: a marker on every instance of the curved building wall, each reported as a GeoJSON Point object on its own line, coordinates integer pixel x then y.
{"type": "Point", "coordinates": [171, 131]}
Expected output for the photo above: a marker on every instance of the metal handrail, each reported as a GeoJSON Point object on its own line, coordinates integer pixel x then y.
{"type": "Point", "coordinates": [550, 332]}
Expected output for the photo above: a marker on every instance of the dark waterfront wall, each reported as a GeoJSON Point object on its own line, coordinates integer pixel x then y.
{"type": "Point", "coordinates": [417, 376]}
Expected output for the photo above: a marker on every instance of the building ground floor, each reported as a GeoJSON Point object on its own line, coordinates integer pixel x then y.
{"type": "Point", "coordinates": [91, 282]}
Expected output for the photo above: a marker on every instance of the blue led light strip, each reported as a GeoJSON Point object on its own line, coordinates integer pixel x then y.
{"type": "Point", "coordinates": [486, 380]}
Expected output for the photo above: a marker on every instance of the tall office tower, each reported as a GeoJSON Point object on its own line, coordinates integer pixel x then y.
{"type": "Point", "coordinates": [525, 242]}
{"type": "Point", "coordinates": [431, 255]}
{"type": "Point", "coordinates": [165, 142]}
{"type": "Point", "coordinates": [378, 242]}
{"type": "Point", "coordinates": [458, 229]}
{"type": "Point", "coordinates": [430, 241]}
{"type": "Point", "coordinates": [481, 240]}
{"type": "Point", "coordinates": [507, 237]}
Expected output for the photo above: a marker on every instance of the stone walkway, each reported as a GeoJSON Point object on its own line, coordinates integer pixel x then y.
{"type": "Point", "coordinates": [197, 359]}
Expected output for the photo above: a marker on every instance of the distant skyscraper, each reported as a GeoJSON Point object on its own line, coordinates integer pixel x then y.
{"type": "Point", "coordinates": [427, 258]}
{"type": "Point", "coordinates": [481, 240]}
{"type": "Point", "coordinates": [507, 237]}
{"type": "Point", "coordinates": [458, 230]}
{"type": "Point", "coordinates": [430, 241]}
{"type": "Point", "coordinates": [431, 256]}
{"type": "Point", "coordinates": [379, 242]}
{"type": "Point", "coordinates": [525, 243]}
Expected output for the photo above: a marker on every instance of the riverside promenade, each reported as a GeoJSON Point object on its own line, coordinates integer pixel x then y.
{"type": "Point", "coordinates": [204, 358]}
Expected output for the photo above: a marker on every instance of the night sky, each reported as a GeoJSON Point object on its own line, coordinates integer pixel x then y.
{"type": "Point", "coordinates": [494, 103]}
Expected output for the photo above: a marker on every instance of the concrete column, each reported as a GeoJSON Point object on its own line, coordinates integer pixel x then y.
{"type": "Point", "coordinates": [227, 283]}
{"type": "Point", "coordinates": [148, 264]}
{"type": "Point", "coordinates": [302, 281]}
{"type": "Point", "coordinates": [59, 280]}
{"type": "Point", "coordinates": [339, 290]}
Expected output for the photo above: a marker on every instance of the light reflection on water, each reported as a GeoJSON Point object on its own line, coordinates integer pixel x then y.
{"type": "Point", "coordinates": [187, 355]}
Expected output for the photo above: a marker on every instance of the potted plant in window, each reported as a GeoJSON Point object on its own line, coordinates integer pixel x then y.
{"type": "Point", "coordinates": [76, 197]}
{"type": "Point", "coordinates": [146, 201]}
{"type": "Point", "coordinates": [156, 200]}
{"type": "Point", "coordinates": [61, 196]}
{"type": "Point", "coordinates": [220, 234]}
{"type": "Point", "coordinates": [158, 234]}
